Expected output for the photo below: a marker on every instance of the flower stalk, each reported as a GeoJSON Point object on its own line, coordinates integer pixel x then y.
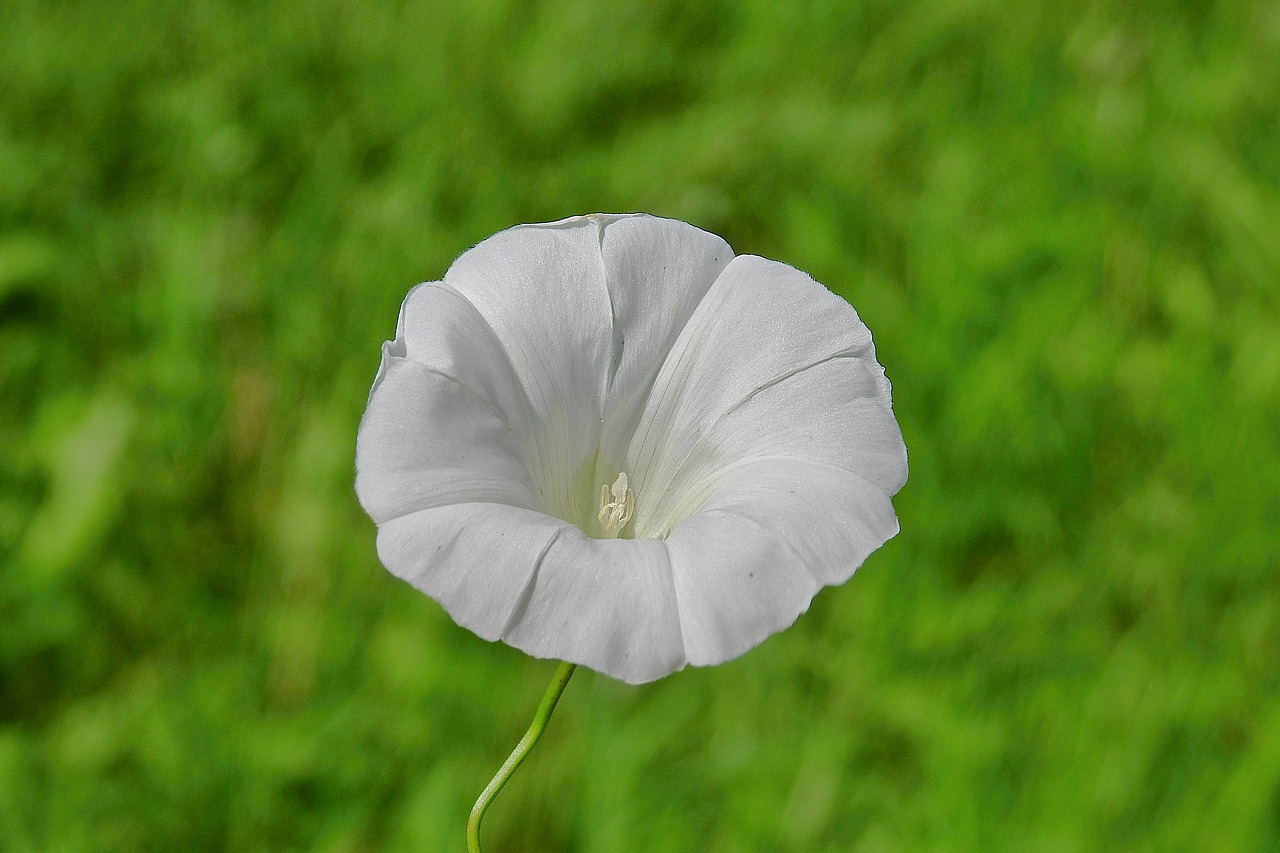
{"type": "Point", "coordinates": [549, 699]}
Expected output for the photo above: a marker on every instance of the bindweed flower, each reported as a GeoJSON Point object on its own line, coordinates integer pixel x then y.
{"type": "Point", "coordinates": [608, 440]}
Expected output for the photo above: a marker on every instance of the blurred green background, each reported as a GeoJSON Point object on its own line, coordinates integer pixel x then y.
{"type": "Point", "coordinates": [1061, 221]}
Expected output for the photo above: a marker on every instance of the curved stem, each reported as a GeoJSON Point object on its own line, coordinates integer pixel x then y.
{"type": "Point", "coordinates": [549, 699]}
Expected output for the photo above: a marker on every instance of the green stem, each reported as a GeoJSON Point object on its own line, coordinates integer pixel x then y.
{"type": "Point", "coordinates": [549, 699]}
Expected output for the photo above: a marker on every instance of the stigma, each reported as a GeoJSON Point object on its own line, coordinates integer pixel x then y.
{"type": "Point", "coordinates": [614, 514]}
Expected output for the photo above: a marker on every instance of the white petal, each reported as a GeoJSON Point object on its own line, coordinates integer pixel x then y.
{"type": "Point", "coordinates": [476, 559]}
{"type": "Point", "coordinates": [606, 603]}
{"type": "Point", "coordinates": [770, 535]}
{"type": "Point", "coordinates": [657, 271]}
{"type": "Point", "coordinates": [761, 323]}
{"type": "Point", "coordinates": [427, 440]}
{"type": "Point", "coordinates": [439, 327]}
{"type": "Point", "coordinates": [830, 518]}
{"type": "Point", "coordinates": [541, 290]}
{"type": "Point", "coordinates": [736, 583]}
{"type": "Point", "coordinates": [837, 412]}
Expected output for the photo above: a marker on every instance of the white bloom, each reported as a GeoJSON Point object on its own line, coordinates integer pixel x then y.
{"type": "Point", "coordinates": [609, 441]}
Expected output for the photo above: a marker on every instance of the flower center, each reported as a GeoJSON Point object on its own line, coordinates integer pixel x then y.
{"type": "Point", "coordinates": [614, 514]}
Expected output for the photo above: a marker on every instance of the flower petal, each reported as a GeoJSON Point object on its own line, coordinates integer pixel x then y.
{"type": "Point", "coordinates": [427, 440]}
{"type": "Point", "coordinates": [657, 271]}
{"type": "Point", "coordinates": [541, 289]}
{"type": "Point", "coordinates": [439, 327]}
{"type": "Point", "coordinates": [736, 583]}
{"type": "Point", "coordinates": [605, 603]}
{"type": "Point", "coordinates": [760, 324]}
{"type": "Point", "coordinates": [771, 534]}
{"type": "Point", "coordinates": [543, 586]}
{"type": "Point", "coordinates": [837, 412]}
{"type": "Point", "coordinates": [831, 519]}
{"type": "Point", "coordinates": [476, 559]}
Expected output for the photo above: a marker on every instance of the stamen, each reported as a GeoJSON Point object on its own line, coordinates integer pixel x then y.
{"type": "Point", "coordinates": [614, 514]}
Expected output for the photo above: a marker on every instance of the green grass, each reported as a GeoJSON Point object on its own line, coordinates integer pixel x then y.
{"type": "Point", "coordinates": [1062, 222]}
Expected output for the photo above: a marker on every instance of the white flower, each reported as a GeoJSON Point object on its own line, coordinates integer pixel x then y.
{"type": "Point", "coordinates": [609, 441]}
